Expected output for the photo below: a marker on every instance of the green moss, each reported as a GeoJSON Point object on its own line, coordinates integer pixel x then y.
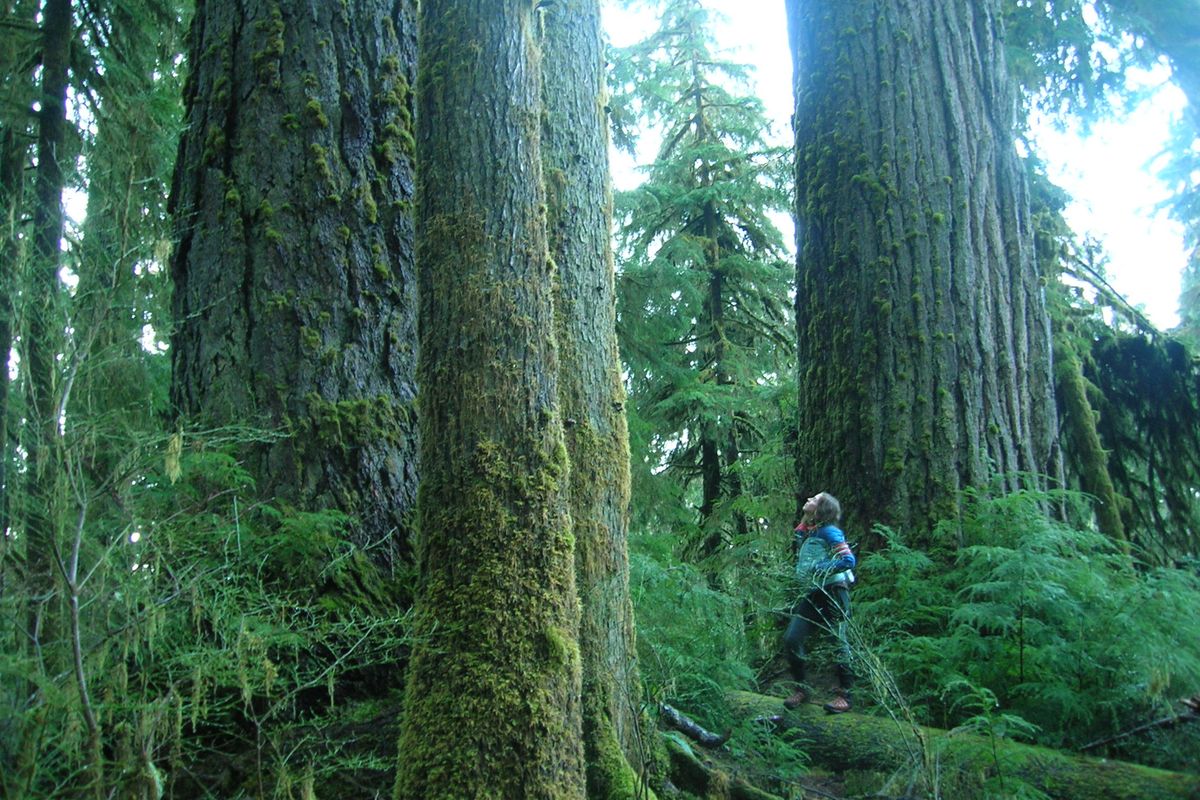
{"type": "Point", "coordinates": [320, 160]}
{"type": "Point", "coordinates": [519, 564]}
{"type": "Point", "coordinates": [393, 148]}
{"type": "Point", "coordinates": [346, 424]}
{"type": "Point", "coordinates": [220, 91]}
{"type": "Point", "coordinates": [315, 113]}
{"type": "Point", "coordinates": [370, 209]}
{"type": "Point", "coordinates": [562, 648]}
{"type": "Point", "coordinates": [609, 774]}
{"type": "Point", "coordinates": [214, 144]}
{"type": "Point", "coordinates": [266, 60]}
{"type": "Point", "coordinates": [310, 338]}
{"type": "Point", "coordinates": [290, 122]}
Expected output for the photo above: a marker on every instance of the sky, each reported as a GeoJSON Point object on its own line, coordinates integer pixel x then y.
{"type": "Point", "coordinates": [1107, 172]}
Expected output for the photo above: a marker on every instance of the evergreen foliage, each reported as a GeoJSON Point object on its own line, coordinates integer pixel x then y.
{"type": "Point", "coordinates": [1047, 619]}
{"type": "Point", "coordinates": [173, 648]}
{"type": "Point", "coordinates": [1071, 58]}
{"type": "Point", "coordinates": [704, 317]}
{"type": "Point", "coordinates": [192, 639]}
{"type": "Point", "coordinates": [226, 647]}
{"type": "Point", "coordinates": [691, 642]}
{"type": "Point", "coordinates": [1138, 396]}
{"type": "Point", "coordinates": [694, 647]}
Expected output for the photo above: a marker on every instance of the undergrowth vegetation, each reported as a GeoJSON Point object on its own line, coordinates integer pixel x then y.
{"type": "Point", "coordinates": [1010, 624]}
{"type": "Point", "coordinates": [208, 625]}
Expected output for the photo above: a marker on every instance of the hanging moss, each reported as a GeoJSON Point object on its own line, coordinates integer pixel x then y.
{"type": "Point", "coordinates": [1079, 423]}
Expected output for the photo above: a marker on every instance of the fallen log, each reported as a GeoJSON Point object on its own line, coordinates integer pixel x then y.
{"type": "Point", "coordinates": [690, 772]}
{"type": "Point", "coordinates": [1190, 713]}
{"type": "Point", "coordinates": [924, 758]}
{"type": "Point", "coordinates": [674, 718]}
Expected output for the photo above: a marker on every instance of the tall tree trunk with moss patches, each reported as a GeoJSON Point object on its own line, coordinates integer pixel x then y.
{"type": "Point", "coordinates": [492, 706]}
{"type": "Point", "coordinates": [924, 341]}
{"type": "Point", "coordinates": [591, 394]}
{"type": "Point", "coordinates": [294, 273]}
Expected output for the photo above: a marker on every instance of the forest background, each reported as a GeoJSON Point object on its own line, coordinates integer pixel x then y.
{"type": "Point", "coordinates": [216, 577]}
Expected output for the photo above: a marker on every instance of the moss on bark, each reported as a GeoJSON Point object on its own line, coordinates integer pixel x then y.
{"type": "Point", "coordinates": [492, 702]}
{"type": "Point", "coordinates": [285, 320]}
{"type": "Point", "coordinates": [591, 394]}
{"type": "Point", "coordinates": [924, 342]}
{"type": "Point", "coordinates": [962, 765]}
{"type": "Point", "coordinates": [1079, 423]}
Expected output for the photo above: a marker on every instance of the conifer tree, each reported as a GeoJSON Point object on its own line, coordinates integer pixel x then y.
{"type": "Point", "coordinates": [702, 288]}
{"type": "Point", "coordinates": [294, 284]}
{"type": "Point", "coordinates": [591, 393]}
{"type": "Point", "coordinates": [43, 336]}
{"type": "Point", "coordinates": [121, 303]}
{"type": "Point", "coordinates": [924, 339]}
{"type": "Point", "coordinates": [1116, 448]}
{"type": "Point", "coordinates": [17, 95]}
{"type": "Point", "coordinates": [492, 705]}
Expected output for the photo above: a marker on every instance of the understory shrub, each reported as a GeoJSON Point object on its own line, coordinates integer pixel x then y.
{"type": "Point", "coordinates": [1071, 640]}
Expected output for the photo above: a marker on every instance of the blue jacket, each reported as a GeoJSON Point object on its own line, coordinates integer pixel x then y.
{"type": "Point", "coordinates": [822, 556]}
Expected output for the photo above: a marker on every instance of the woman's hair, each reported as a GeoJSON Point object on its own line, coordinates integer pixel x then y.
{"type": "Point", "coordinates": [828, 510]}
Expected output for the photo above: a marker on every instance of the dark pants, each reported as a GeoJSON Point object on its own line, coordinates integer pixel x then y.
{"type": "Point", "coordinates": [825, 609]}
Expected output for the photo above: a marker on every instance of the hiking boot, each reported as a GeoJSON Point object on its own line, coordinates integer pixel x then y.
{"type": "Point", "coordinates": [840, 704]}
{"type": "Point", "coordinates": [795, 699]}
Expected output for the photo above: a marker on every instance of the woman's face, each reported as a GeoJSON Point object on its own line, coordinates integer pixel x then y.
{"type": "Point", "coordinates": [810, 505]}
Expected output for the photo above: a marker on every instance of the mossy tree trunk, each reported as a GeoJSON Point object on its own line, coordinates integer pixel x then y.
{"type": "Point", "coordinates": [591, 394]}
{"type": "Point", "coordinates": [294, 271]}
{"type": "Point", "coordinates": [492, 706]}
{"type": "Point", "coordinates": [924, 341]}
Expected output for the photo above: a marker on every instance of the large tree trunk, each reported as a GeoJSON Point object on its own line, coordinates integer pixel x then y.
{"type": "Point", "coordinates": [591, 394]}
{"type": "Point", "coordinates": [955, 762]}
{"type": "Point", "coordinates": [492, 706]}
{"type": "Point", "coordinates": [924, 341]}
{"type": "Point", "coordinates": [294, 274]}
